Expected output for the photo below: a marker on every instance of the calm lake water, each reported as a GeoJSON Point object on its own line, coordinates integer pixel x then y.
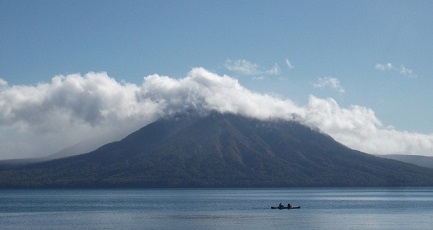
{"type": "Point", "coordinates": [364, 208]}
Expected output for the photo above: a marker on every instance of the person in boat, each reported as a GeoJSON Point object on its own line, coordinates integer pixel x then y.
{"type": "Point", "coordinates": [289, 206]}
{"type": "Point", "coordinates": [280, 206]}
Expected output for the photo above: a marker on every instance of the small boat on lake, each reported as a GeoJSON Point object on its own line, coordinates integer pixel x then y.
{"type": "Point", "coordinates": [286, 207]}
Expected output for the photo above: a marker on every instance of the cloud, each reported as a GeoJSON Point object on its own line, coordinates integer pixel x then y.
{"type": "Point", "coordinates": [42, 119]}
{"type": "Point", "coordinates": [202, 89]}
{"type": "Point", "coordinates": [384, 67]}
{"type": "Point", "coordinates": [329, 82]}
{"type": "Point", "coordinates": [274, 70]}
{"type": "Point", "coordinates": [402, 70]}
{"type": "Point", "coordinates": [359, 128]}
{"type": "Point", "coordinates": [407, 72]}
{"type": "Point", "coordinates": [289, 64]}
{"type": "Point", "coordinates": [37, 120]}
{"type": "Point", "coordinates": [244, 67]}
{"type": "Point", "coordinates": [3, 84]}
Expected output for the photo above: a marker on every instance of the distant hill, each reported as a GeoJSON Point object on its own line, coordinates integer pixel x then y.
{"type": "Point", "coordinates": [77, 149]}
{"type": "Point", "coordinates": [422, 161]}
{"type": "Point", "coordinates": [218, 150]}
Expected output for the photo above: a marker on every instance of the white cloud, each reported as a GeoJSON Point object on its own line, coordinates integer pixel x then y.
{"type": "Point", "coordinates": [202, 89]}
{"type": "Point", "coordinates": [244, 67]}
{"type": "Point", "coordinates": [274, 70]}
{"type": "Point", "coordinates": [47, 117]}
{"type": "Point", "coordinates": [329, 82]}
{"type": "Point", "coordinates": [289, 64]}
{"type": "Point", "coordinates": [3, 84]}
{"type": "Point", "coordinates": [41, 119]}
{"type": "Point", "coordinates": [407, 72]}
{"type": "Point", "coordinates": [402, 70]}
{"type": "Point", "coordinates": [384, 67]}
{"type": "Point", "coordinates": [359, 128]}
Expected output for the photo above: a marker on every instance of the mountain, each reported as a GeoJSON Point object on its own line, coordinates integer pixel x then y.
{"type": "Point", "coordinates": [218, 150]}
{"type": "Point", "coordinates": [67, 152]}
{"type": "Point", "coordinates": [423, 161]}
{"type": "Point", "coordinates": [79, 148]}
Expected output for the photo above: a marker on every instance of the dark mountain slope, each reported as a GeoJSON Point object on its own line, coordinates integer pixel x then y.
{"type": "Point", "coordinates": [219, 150]}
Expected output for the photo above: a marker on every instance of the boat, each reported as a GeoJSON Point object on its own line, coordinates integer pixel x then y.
{"type": "Point", "coordinates": [284, 207]}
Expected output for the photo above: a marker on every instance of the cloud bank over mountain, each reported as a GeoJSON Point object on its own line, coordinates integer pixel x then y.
{"type": "Point", "coordinates": [38, 120]}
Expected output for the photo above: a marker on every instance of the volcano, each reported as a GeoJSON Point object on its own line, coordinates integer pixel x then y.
{"type": "Point", "coordinates": [218, 150]}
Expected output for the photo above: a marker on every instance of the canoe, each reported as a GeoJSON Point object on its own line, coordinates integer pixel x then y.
{"type": "Point", "coordinates": [293, 207]}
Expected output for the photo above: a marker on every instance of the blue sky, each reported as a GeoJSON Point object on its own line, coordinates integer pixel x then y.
{"type": "Point", "coordinates": [373, 54]}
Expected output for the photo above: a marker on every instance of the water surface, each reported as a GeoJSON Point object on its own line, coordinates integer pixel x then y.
{"type": "Point", "coordinates": [361, 208]}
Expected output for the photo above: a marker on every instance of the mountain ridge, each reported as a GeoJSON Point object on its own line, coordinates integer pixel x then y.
{"type": "Point", "coordinates": [423, 161]}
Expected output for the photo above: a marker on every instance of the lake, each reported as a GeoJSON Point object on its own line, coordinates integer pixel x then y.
{"type": "Point", "coordinates": [330, 208]}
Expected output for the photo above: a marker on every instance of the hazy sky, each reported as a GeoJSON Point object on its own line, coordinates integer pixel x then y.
{"type": "Point", "coordinates": [362, 71]}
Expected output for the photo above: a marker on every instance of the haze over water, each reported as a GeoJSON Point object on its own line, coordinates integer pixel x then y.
{"type": "Point", "coordinates": [348, 208]}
